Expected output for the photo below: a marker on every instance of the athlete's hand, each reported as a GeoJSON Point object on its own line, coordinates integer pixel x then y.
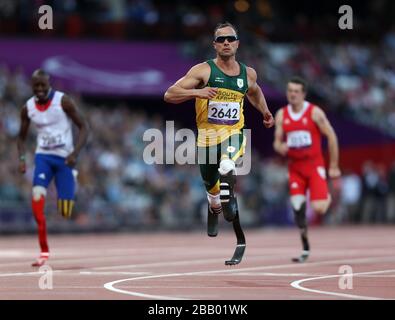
{"type": "Point", "coordinates": [268, 119]}
{"type": "Point", "coordinates": [282, 149]}
{"type": "Point", "coordinates": [206, 93]}
{"type": "Point", "coordinates": [334, 172]}
{"type": "Point", "coordinates": [71, 159]}
{"type": "Point", "coordinates": [22, 166]}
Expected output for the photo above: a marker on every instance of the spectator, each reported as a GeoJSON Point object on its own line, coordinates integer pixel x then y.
{"type": "Point", "coordinates": [351, 191]}
{"type": "Point", "coordinates": [391, 195]}
{"type": "Point", "coordinates": [375, 193]}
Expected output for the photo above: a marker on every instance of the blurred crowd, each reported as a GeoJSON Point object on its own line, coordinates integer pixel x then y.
{"type": "Point", "coordinates": [183, 20]}
{"type": "Point", "coordinates": [117, 189]}
{"type": "Point", "coordinates": [349, 72]}
{"type": "Point", "coordinates": [355, 79]}
{"type": "Point", "coordinates": [365, 198]}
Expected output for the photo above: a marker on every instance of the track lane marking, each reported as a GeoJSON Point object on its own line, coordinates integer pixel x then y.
{"type": "Point", "coordinates": [110, 285]}
{"type": "Point", "coordinates": [297, 285]}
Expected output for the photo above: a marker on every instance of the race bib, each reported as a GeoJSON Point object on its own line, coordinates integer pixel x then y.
{"type": "Point", "coordinates": [51, 141]}
{"type": "Point", "coordinates": [299, 139]}
{"type": "Point", "coordinates": [227, 113]}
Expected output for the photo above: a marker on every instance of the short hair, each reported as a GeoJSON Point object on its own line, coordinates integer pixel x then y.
{"type": "Point", "coordinates": [40, 73]}
{"type": "Point", "coordinates": [224, 25]}
{"type": "Point", "coordinates": [299, 80]}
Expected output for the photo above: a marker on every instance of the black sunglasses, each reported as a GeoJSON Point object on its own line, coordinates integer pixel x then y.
{"type": "Point", "coordinates": [221, 39]}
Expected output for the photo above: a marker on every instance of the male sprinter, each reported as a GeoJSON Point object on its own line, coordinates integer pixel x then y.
{"type": "Point", "coordinates": [219, 87]}
{"type": "Point", "coordinates": [299, 126]}
{"type": "Point", "coordinates": [51, 111]}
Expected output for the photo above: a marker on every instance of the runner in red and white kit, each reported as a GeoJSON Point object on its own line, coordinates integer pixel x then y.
{"type": "Point", "coordinates": [299, 126]}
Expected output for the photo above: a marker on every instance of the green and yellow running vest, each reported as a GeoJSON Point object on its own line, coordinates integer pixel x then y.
{"type": "Point", "coordinates": [222, 116]}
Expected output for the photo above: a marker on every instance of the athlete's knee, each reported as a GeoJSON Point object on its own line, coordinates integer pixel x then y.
{"type": "Point", "coordinates": [65, 207]}
{"type": "Point", "coordinates": [321, 206]}
{"type": "Point", "coordinates": [227, 165]}
{"type": "Point", "coordinates": [38, 203]}
{"type": "Point", "coordinates": [38, 192]}
{"type": "Point", "coordinates": [297, 201]}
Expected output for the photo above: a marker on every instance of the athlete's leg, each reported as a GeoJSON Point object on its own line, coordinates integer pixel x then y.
{"type": "Point", "coordinates": [210, 176]}
{"type": "Point", "coordinates": [39, 194]}
{"type": "Point", "coordinates": [299, 207]}
{"type": "Point", "coordinates": [213, 197]}
{"type": "Point", "coordinates": [321, 206]}
{"type": "Point", "coordinates": [319, 192]}
{"type": "Point", "coordinates": [231, 150]}
{"type": "Point", "coordinates": [43, 174]}
{"type": "Point", "coordinates": [65, 186]}
{"type": "Point", "coordinates": [214, 210]}
{"type": "Point", "coordinates": [227, 170]}
{"type": "Point", "coordinates": [297, 185]}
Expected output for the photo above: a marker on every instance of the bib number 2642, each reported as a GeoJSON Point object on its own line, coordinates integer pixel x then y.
{"type": "Point", "coordinates": [223, 113]}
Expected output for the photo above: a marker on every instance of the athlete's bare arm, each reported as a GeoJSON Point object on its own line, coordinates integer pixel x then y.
{"type": "Point", "coordinates": [23, 130]}
{"type": "Point", "coordinates": [257, 99]}
{"type": "Point", "coordinates": [71, 110]}
{"type": "Point", "coordinates": [326, 128]}
{"type": "Point", "coordinates": [279, 145]}
{"type": "Point", "coordinates": [190, 86]}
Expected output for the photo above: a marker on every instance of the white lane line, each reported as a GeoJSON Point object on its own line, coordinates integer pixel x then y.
{"type": "Point", "coordinates": [70, 272]}
{"type": "Point", "coordinates": [178, 263]}
{"type": "Point", "coordinates": [267, 256]}
{"type": "Point", "coordinates": [32, 273]}
{"type": "Point", "coordinates": [110, 285]}
{"type": "Point", "coordinates": [264, 258]}
{"type": "Point", "coordinates": [111, 273]}
{"type": "Point", "coordinates": [20, 274]}
{"type": "Point", "coordinates": [202, 261]}
{"type": "Point", "coordinates": [378, 276]}
{"type": "Point", "coordinates": [56, 260]}
{"type": "Point", "coordinates": [269, 274]}
{"type": "Point", "coordinates": [12, 253]}
{"type": "Point", "coordinates": [297, 285]}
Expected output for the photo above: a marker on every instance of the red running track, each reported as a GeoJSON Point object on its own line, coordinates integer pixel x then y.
{"type": "Point", "coordinates": [191, 266]}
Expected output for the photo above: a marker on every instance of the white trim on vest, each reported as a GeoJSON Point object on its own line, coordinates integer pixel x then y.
{"type": "Point", "coordinates": [296, 116]}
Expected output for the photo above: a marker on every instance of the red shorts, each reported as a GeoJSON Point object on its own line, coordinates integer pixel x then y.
{"type": "Point", "coordinates": [310, 175]}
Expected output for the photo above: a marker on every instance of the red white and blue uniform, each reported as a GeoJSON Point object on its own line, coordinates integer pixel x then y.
{"type": "Point", "coordinates": [306, 165]}
{"type": "Point", "coordinates": [54, 144]}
